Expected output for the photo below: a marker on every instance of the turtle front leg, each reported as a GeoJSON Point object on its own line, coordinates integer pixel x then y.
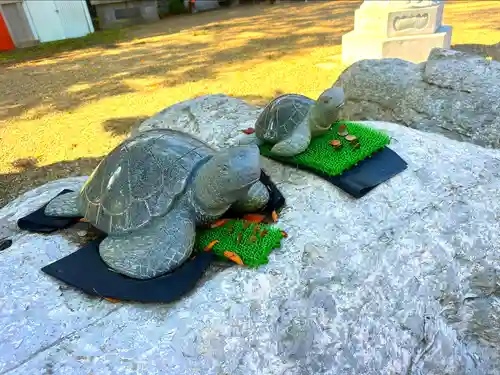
{"type": "Point", "coordinates": [256, 198]}
{"type": "Point", "coordinates": [156, 249]}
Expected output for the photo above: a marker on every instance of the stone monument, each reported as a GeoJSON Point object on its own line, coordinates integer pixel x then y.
{"type": "Point", "coordinates": [408, 30]}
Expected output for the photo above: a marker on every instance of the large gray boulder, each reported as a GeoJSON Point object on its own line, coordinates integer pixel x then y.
{"type": "Point", "coordinates": [453, 93]}
{"type": "Point", "coordinates": [402, 281]}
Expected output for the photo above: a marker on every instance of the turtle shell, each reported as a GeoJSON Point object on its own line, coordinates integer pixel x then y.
{"type": "Point", "coordinates": [141, 179]}
{"type": "Point", "coordinates": [282, 116]}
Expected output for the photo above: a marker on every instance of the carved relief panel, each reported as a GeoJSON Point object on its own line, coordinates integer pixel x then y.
{"type": "Point", "coordinates": [398, 18]}
{"type": "Point", "coordinates": [425, 20]}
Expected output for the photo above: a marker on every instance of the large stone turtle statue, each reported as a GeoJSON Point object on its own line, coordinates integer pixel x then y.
{"type": "Point", "coordinates": [152, 190]}
{"type": "Point", "coordinates": [291, 120]}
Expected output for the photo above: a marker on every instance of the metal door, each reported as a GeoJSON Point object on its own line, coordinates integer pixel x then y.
{"type": "Point", "coordinates": [74, 17]}
{"type": "Point", "coordinates": [45, 19]}
{"type": "Point", "coordinates": [59, 19]}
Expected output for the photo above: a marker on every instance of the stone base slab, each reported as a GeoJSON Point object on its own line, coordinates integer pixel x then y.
{"type": "Point", "coordinates": [414, 48]}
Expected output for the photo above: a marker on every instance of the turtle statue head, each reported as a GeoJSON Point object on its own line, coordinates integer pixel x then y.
{"type": "Point", "coordinates": [326, 110]}
{"type": "Point", "coordinates": [227, 176]}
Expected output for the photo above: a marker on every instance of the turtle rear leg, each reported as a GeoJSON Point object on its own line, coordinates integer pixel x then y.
{"type": "Point", "coordinates": [156, 249]}
{"type": "Point", "coordinates": [65, 205]}
{"type": "Point", "coordinates": [295, 144]}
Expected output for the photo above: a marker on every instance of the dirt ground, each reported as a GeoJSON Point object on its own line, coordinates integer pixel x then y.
{"type": "Point", "coordinates": [61, 114]}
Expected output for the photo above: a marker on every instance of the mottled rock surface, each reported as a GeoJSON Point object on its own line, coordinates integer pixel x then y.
{"type": "Point", "coordinates": [453, 93]}
{"type": "Point", "coordinates": [402, 281]}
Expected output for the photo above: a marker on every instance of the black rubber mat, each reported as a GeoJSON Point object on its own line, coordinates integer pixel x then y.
{"type": "Point", "coordinates": [85, 270]}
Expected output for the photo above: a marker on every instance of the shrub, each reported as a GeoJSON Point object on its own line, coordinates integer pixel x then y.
{"type": "Point", "coordinates": [177, 7]}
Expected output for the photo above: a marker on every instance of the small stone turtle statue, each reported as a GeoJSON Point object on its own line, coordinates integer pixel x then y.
{"type": "Point", "coordinates": [149, 194]}
{"type": "Point", "coordinates": [291, 120]}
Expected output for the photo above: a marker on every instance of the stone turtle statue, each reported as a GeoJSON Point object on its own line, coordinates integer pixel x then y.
{"type": "Point", "coordinates": [291, 120]}
{"type": "Point", "coordinates": [149, 194]}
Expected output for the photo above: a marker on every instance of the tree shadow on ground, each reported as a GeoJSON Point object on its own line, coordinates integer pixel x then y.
{"type": "Point", "coordinates": [122, 125]}
{"type": "Point", "coordinates": [106, 39]}
{"type": "Point", "coordinates": [31, 176]}
{"type": "Point", "coordinates": [485, 50]}
{"type": "Point", "coordinates": [258, 100]}
{"type": "Point", "coordinates": [477, 28]}
{"type": "Point", "coordinates": [172, 52]}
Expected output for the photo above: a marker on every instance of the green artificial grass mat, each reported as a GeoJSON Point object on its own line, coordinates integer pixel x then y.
{"type": "Point", "coordinates": [252, 242]}
{"type": "Point", "coordinates": [322, 156]}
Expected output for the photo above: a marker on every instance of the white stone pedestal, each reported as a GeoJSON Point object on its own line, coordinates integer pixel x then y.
{"type": "Point", "coordinates": [396, 28]}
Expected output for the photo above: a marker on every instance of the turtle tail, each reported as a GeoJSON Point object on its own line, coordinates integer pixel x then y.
{"type": "Point", "coordinates": [65, 205]}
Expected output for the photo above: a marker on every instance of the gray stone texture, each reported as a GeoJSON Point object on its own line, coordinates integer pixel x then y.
{"type": "Point", "coordinates": [452, 93]}
{"type": "Point", "coordinates": [402, 281]}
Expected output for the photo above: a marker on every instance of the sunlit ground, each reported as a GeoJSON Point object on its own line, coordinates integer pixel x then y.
{"type": "Point", "coordinates": [59, 115]}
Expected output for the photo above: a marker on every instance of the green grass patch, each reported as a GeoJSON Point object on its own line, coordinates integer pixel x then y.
{"type": "Point", "coordinates": [250, 241]}
{"type": "Point", "coordinates": [322, 156]}
{"type": "Point", "coordinates": [44, 50]}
